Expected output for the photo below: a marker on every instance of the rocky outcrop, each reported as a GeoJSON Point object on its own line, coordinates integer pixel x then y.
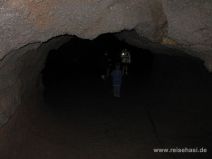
{"type": "Point", "coordinates": [184, 25]}
{"type": "Point", "coordinates": [188, 23]}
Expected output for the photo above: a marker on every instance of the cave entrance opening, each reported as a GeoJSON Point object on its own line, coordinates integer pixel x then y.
{"type": "Point", "coordinates": [166, 101]}
{"type": "Point", "coordinates": [72, 73]}
{"type": "Point", "coordinates": [72, 76]}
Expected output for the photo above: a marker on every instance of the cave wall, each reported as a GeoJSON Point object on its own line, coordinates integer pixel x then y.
{"type": "Point", "coordinates": [13, 79]}
{"type": "Point", "coordinates": [181, 25]}
{"type": "Point", "coordinates": [186, 24]}
{"type": "Point", "coordinates": [20, 75]}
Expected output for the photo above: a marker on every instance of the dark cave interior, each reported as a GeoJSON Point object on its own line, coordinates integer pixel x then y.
{"type": "Point", "coordinates": [165, 102]}
{"type": "Point", "coordinates": [77, 65]}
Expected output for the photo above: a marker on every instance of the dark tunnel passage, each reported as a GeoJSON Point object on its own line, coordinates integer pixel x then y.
{"type": "Point", "coordinates": [76, 68]}
{"type": "Point", "coordinates": [174, 93]}
{"type": "Point", "coordinates": [165, 103]}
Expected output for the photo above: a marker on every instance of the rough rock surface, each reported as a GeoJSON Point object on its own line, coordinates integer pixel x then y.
{"type": "Point", "coordinates": [188, 22]}
{"type": "Point", "coordinates": [20, 75]}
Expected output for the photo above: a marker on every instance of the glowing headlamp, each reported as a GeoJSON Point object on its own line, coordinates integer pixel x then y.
{"type": "Point", "coordinates": [123, 53]}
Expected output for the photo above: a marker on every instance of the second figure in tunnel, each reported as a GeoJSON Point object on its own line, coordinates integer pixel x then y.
{"type": "Point", "coordinates": [116, 76]}
{"type": "Point", "coordinates": [114, 65]}
{"type": "Point", "coordinates": [126, 60]}
{"type": "Point", "coordinates": [116, 68]}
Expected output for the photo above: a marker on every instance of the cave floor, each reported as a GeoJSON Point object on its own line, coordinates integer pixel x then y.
{"type": "Point", "coordinates": [84, 121]}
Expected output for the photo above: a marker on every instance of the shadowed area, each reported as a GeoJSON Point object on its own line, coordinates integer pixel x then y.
{"type": "Point", "coordinates": [165, 103]}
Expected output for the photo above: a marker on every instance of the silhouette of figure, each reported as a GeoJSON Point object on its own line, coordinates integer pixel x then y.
{"type": "Point", "coordinates": [126, 60]}
{"type": "Point", "coordinates": [116, 75]}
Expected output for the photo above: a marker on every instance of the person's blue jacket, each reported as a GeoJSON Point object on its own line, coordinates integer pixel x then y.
{"type": "Point", "coordinates": [116, 77]}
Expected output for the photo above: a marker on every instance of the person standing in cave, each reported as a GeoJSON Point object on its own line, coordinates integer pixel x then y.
{"type": "Point", "coordinates": [126, 60]}
{"type": "Point", "coordinates": [116, 76]}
